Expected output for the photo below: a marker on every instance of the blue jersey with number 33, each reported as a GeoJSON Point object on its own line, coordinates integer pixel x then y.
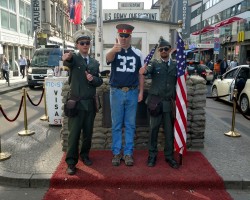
{"type": "Point", "coordinates": [125, 68]}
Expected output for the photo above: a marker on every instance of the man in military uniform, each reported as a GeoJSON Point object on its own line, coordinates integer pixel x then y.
{"type": "Point", "coordinates": [84, 78]}
{"type": "Point", "coordinates": [164, 77]}
{"type": "Point", "coordinates": [126, 90]}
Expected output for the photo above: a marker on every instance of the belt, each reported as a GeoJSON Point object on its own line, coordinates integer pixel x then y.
{"type": "Point", "coordinates": [126, 89]}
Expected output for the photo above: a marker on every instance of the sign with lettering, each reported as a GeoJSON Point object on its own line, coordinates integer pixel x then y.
{"type": "Point", "coordinates": [131, 5]}
{"type": "Point", "coordinates": [53, 90]}
{"type": "Point", "coordinates": [126, 14]}
{"type": "Point", "coordinates": [36, 14]}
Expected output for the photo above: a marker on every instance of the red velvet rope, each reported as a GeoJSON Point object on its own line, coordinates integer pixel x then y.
{"type": "Point", "coordinates": [32, 101]}
{"type": "Point", "coordinates": [19, 110]}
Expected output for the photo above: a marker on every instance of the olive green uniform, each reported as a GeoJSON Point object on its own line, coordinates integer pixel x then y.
{"type": "Point", "coordinates": [81, 87]}
{"type": "Point", "coordinates": [164, 78]}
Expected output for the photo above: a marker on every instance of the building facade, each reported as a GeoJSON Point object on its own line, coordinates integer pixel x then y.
{"type": "Point", "coordinates": [225, 25]}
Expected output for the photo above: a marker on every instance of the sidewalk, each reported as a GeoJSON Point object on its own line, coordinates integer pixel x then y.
{"type": "Point", "coordinates": [35, 158]}
{"type": "Point", "coordinates": [16, 82]}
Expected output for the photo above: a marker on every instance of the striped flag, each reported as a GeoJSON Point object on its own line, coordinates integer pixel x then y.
{"type": "Point", "coordinates": [78, 12]}
{"type": "Point", "coordinates": [150, 55]}
{"type": "Point", "coordinates": [180, 124]}
{"type": "Point", "coordinates": [71, 10]}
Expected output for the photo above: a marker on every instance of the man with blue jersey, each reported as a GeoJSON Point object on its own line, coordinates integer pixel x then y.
{"type": "Point", "coordinates": [126, 90]}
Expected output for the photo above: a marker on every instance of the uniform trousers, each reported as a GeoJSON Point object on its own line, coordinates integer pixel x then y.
{"type": "Point", "coordinates": [82, 123]}
{"type": "Point", "coordinates": [168, 125]}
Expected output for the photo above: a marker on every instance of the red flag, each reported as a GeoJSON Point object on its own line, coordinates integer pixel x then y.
{"type": "Point", "coordinates": [180, 125]}
{"type": "Point", "coordinates": [78, 12]}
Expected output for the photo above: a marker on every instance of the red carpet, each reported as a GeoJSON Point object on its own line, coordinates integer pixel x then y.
{"type": "Point", "coordinates": [195, 179]}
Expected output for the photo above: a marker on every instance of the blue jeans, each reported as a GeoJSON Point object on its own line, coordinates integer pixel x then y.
{"type": "Point", "coordinates": [123, 113]}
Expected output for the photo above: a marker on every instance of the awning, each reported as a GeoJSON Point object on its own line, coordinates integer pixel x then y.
{"type": "Point", "coordinates": [228, 21]}
{"type": "Point", "coordinates": [204, 30]}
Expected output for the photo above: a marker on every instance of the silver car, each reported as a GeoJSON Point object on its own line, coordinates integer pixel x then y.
{"type": "Point", "coordinates": [236, 78]}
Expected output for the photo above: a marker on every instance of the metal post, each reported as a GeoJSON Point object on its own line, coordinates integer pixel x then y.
{"type": "Point", "coordinates": [3, 155]}
{"type": "Point", "coordinates": [233, 133]}
{"type": "Point", "coordinates": [25, 132]}
{"type": "Point", "coordinates": [199, 50]}
{"type": "Point", "coordinates": [45, 116]}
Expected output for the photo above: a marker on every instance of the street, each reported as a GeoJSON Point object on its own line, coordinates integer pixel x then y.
{"type": "Point", "coordinates": [10, 103]}
{"type": "Point", "coordinates": [223, 111]}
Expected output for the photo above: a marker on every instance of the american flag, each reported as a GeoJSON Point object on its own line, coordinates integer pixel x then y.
{"type": "Point", "coordinates": [180, 124]}
{"type": "Point", "coordinates": [150, 55]}
{"type": "Point", "coordinates": [71, 10]}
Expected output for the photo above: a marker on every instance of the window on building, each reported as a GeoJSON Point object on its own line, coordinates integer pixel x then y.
{"type": "Point", "coordinates": [232, 11]}
{"type": "Point", "coordinates": [28, 11]}
{"type": "Point", "coordinates": [13, 22]}
{"type": "Point", "coordinates": [12, 6]}
{"type": "Point", "coordinates": [21, 8]}
{"type": "Point", "coordinates": [22, 25]}
{"type": "Point", "coordinates": [5, 19]}
{"type": "Point", "coordinates": [4, 3]}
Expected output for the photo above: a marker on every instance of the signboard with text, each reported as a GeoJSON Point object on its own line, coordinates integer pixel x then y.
{"type": "Point", "coordinates": [204, 46]}
{"type": "Point", "coordinates": [131, 5]}
{"type": "Point", "coordinates": [53, 87]}
{"type": "Point", "coordinates": [36, 14]}
{"type": "Point", "coordinates": [112, 14]}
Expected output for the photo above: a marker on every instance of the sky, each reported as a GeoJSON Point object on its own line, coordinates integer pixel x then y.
{"type": "Point", "coordinates": [113, 4]}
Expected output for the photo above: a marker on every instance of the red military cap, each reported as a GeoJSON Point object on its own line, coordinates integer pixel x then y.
{"type": "Point", "coordinates": [124, 28]}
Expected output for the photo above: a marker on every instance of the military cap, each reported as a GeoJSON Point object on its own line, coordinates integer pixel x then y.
{"type": "Point", "coordinates": [124, 28]}
{"type": "Point", "coordinates": [82, 34]}
{"type": "Point", "coordinates": [163, 43]}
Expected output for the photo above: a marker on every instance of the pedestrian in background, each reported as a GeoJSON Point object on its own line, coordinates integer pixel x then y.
{"type": "Point", "coordinates": [233, 63]}
{"type": "Point", "coordinates": [83, 80]}
{"type": "Point", "coordinates": [162, 92]}
{"type": "Point", "coordinates": [5, 69]}
{"type": "Point", "coordinates": [124, 93]}
{"type": "Point", "coordinates": [223, 66]}
{"type": "Point", "coordinates": [22, 65]}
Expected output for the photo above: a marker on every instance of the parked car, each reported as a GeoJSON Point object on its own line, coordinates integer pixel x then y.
{"type": "Point", "coordinates": [201, 70]}
{"type": "Point", "coordinates": [239, 78]}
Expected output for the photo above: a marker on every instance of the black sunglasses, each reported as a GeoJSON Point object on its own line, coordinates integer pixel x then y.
{"type": "Point", "coordinates": [124, 35]}
{"type": "Point", "coordinates": [84, 43]}
{"type": "Point", "coordinates": [165, 49]}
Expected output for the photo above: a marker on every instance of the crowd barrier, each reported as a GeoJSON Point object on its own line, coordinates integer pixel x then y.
{"type": "Point", "coordinates": [23, 104]}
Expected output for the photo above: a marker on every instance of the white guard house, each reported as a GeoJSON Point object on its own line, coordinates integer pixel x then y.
{"type": "Point", "coordinates": [147, 31]}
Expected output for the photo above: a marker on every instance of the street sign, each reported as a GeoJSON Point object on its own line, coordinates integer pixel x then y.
{"type": "Point", "coordinates": [199, 46]}
{"type": "Point", "coordinates": [216, 52]}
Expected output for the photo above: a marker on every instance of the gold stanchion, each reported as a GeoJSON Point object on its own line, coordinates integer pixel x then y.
{"type": "Point", "coordinates": [233, 133]}
{"type": "Point", "coordinates": [25, 132]}
{"type": "Point", "coordinates": [45, 116]}
{"type": "Point", "coordinates": [3, 155]}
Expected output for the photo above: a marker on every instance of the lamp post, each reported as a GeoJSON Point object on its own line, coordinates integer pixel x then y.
{"type": "Point", "coordinates": [199, 51]}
